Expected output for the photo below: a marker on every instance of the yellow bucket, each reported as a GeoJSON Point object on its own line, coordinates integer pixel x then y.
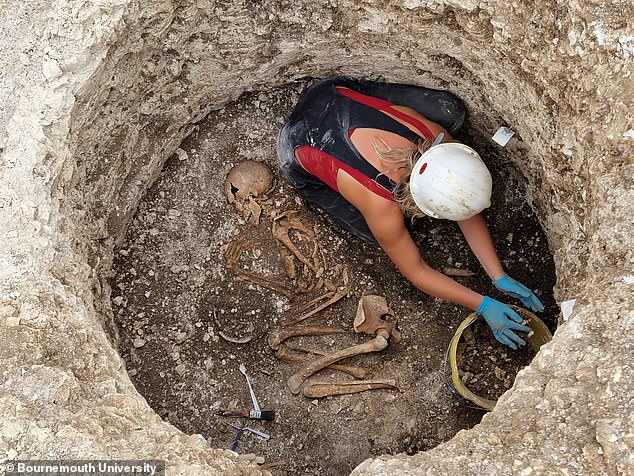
{"type": "Point", "coordinates": [540, 337]}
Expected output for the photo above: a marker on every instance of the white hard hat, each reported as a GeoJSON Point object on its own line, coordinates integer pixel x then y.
{"type": "Point", "coordinates": [450, 181]}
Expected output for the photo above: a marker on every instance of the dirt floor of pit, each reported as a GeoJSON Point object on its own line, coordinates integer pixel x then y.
{"type": "Point", "coordinates": [169, 279]}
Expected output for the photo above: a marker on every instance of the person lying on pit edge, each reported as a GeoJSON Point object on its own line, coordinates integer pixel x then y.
{"type": "Point", "coordinates": [370, 154]}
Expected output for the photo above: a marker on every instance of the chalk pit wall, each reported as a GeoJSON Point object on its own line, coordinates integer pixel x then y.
{"type": "Point", "coordinates": [558, 74]}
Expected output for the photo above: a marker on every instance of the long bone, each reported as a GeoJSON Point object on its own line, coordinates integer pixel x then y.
{"type": "Point", "coordinates": [320, 389]}
{"type": "Point", "coordinates": [287, 355]}
{"type": "Point", "coordinates": [296, 380]}
{"type": "Point", "coordinates": [277, 336]}
{"type": "Point", "coordinates": [281, 228]}
{"type": "Point", "coordinates": [306, 350]}
{"type": "Point", "coordinates": [357, 372]}
{"type": "Point", "coordinates": [368, 321]}
{"type": "Point", "coordinates": [332, 289]}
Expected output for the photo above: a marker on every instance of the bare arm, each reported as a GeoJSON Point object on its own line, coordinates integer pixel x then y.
{"type": "Point", "coordinates": [477, 235]}
{"type": "Point", "coordinates": [474, 229]}
{"type": "Point", "coordinates": [385, 220]}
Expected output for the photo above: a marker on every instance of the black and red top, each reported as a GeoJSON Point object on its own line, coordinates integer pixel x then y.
{"type": "Point", "coordinates": [323, 121]}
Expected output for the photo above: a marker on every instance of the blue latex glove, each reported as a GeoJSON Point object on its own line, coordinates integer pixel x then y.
{"type": "Point", "coordinates": [515, 289]}
{"type": "Point", "coordinates": [503, 321]}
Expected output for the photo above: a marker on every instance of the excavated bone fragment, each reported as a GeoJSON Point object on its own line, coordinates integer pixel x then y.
{"type": "Point", "coordinates": [281, 227]}
{"type": "Point", "coordinates": [290, 220]}
{"type": "Point", "coordinates": [317, 300]}
{"type": "Point", "coordinates": [334, 297]}
{"type": "Point", "coordinates": [296, 380]}
{"type": "Point", "coordinates": [264, 282]}
{"type": "Point", "coordinates": [247, 179]}
{"type": "Point", "coordinates": [315, 286]}
{"type": "Point", "coordinates": [277, 336]}
{"type": "Point", "coordinates": [232, 256]}
{"type": "Point", "coordinates": [368, 321]}
{"type": "Point", "coordinates": [320, 389]}
{"type": "Point", "coordinates": [370, 310]}
{"type": "Point", "coordinates": [457, 272]}
{"type": "Point", "coordinates": [287, 355]}
{"type": "Point", "coordinates": [251, 211]}
{"type": "Point", "coordinates": [288, 260]}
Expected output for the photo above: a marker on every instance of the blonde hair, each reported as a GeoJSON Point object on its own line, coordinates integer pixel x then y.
{"type": "Point", "coordinates": [403, 158]}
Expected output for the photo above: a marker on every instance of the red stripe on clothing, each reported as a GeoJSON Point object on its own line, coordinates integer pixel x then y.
{"type": "Point", "coordinates": [387, 106]}
{"type": "Point", "coordinates": [326, 167]}
{"type": "Point", "coordinates": [371, 101]}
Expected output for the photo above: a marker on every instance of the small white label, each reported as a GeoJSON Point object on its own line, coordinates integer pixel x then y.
{"type": "Point", "coordinates": [503, 136]}
{"type": "Point", "coordinates": [567, 308]}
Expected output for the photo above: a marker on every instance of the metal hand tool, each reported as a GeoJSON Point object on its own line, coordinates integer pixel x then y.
{"type": "Point", "coordinates": [261, 434]}
{"type": "Point", "coordinates": [266, 415]}
{"type": "Point", "coordinates": [234, 446]}
{"type": "Point", "coordinates": [256, 413]}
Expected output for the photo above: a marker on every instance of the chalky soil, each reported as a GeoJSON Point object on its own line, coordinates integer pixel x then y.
{"type": "Point", "coordinates": [174, 300]}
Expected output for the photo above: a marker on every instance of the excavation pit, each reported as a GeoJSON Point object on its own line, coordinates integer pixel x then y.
{"type": "Point", "coordinates": [182, 313]}
{"type": "Point", "coordinates": [98, 96]}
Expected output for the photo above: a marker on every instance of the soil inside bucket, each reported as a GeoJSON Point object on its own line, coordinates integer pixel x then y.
{"type": "Point", "coordinates": [487, 367]}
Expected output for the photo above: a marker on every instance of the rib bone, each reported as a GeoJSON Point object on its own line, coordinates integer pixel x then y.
{"type": "Point", "coordinates": [264, 282]}
{"type": "Point", "coordinates": [312, 302]}
{"type": "Point", "coordinates": [378, 343]}
{"type": "Point", "coordinates": [320, 389]}
{"type": "Point", "coordinates": [277, 336]}
{"type": "Point", "coordinates": [335, 297]}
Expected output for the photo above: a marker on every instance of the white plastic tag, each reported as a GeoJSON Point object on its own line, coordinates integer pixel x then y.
{"type": "Point", "coordinates": [567, 308]}
{"type": "Point", "coordinates": [503, 136]}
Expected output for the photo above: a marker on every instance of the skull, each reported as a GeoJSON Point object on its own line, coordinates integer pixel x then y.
{"type": "Point", "coordinates": [245, 182]}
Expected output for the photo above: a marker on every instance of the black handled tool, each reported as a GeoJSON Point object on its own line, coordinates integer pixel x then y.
{"type": "Point", "coordinates": [267, 415]}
